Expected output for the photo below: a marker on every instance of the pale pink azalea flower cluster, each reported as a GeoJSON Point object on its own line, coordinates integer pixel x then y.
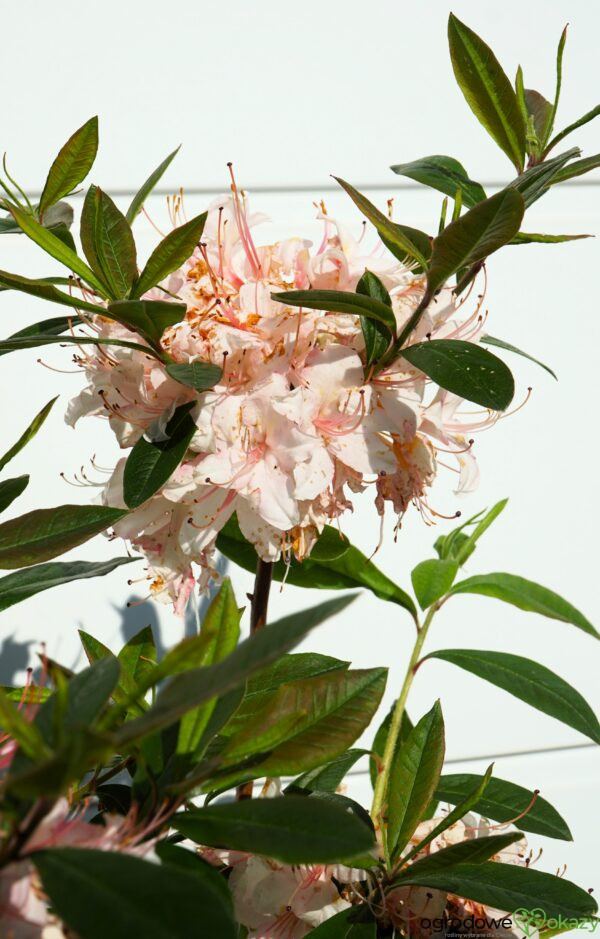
{"type": "Point", "coordinates": [294, 429]}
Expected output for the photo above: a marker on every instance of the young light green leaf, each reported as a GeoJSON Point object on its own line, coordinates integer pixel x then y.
{"type": "Point", "coordinates": [46, 291]}
{"type": "Point", "coordinates": [508, 887]}
{"type": "Point", "coordinates": [334, 564]}
{"type": "Point", "coordinates": [404, 242]}
{"type": "Point", "coordinates": [145, 190]}
{"type": "Point", "coordinates": [56, 248]}
{"type": "Point", "coordinates": [526, 595]}
{"type": "Point", "coordinates": [14, 588]}
{"type": "Point", "coordinates": [500, 344]}
{"type": "Point", "coordinates": [103, 893]}
{"type": "Point", "coordinates": [149, 318]}
{"type": "Point", "coordinates": [71, 166]}
{"type": "Point", "coordinates": [466, 548]}
{"type": "Point", "coordinates": [197, 375]}
{"type": "Point", "coordinates": [193, 687]}
{"type": "Point", "coordinates": [475, 235]}
{"type": "Point", "coordinates": [529, 681]}
{"type": "Point", "coordinates": [150, 465]}
{"type": "Point", "coordinates": [338, 301]}
{"type": "Point", "coordinates": [380, 740]}
{"type": "Point", "coordinates": [42, 534]}
{"type": "Point", "coordinates": [503, 801]}
{"type": "Point", "coordinates": [578, 168]}
{"type": "Point", "coordinates": [528, 238]}
{"type": "Point", "coordinates": [108, 243]}
{"type": "Point", "coordinates": [170, 254]}
{"type": "Point", "coordinates": [11, 489]}
{"type": "Point", "coordinates": [465, 369]}
{"type": "Point", "coordinates": [487, 89]}
{"type": "Point", "coordinates": [552, 117]}
{"type": "Point", "coordinates": [375, 334]}
{"type": "Point", "coordinates": [445, 174]}
{"type": "Point", "coordinates": [138, 656]}
{"type": "Point", "coordinates": [414, 776]}
{"type": "Point", "coordinates": [293, 829]}
{"type": "Point", "coordinates": [539, 111]}
{"type": "Point", "coordinates": [28, 434]}
{"type": "Point", "coordinates": [433, 579]}
{"type": "Point", "coordinates": [587, 117]}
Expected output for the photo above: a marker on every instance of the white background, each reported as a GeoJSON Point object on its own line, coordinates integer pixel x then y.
{"type": "Point", "coordinates": [292, 94]}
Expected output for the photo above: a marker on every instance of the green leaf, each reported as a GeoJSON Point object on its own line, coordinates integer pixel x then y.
{"type": "Point", "coordinates": [487, 89]}
{"type": "Point", "coordinates": [149, 318]}
{"type": "Point", "coordinates": [11, 489]}
{"type": "Point", "coordinates": [475, 235]}
{"type": "Point", "coordinates": [28, 434]}
{"type": "Point", "coordinates": [492, 341]}
{"type": "Point", "coordinates": [308, 721]}
{"type": "Point", "coordinates": [375, 334]}
{"type": "Point", "coordinates": [108, 243]}
{"type": "Point", "coordinates": [339, 301]}
{"type": "Point", "coordinates": [42, 534]}
{"type": "Point", "coordinates": [16, 725]}
{"type": "Point", "coordinates": [144, 191]}
{"type": "Point", "coordinates": [504, 801]}
{"type": "Point", "coordinates": [540, 111]}
{"type": "Point", "coordinates": [527, 238]}
{"type": "Point", "coordinates": [292, 829]}
{"type": "Point", "coordinates": [102, 893]}
{"type": "Point", "coordinates": [150, 465]}
{"type": "Point", "coordinates": [71, 166]}
{"type": "Point", "coordinates": [433, 579]}
{"type": "Point", "coordinates": [559, 57]}
{"type": "Point", "coordinates": [466, 548]}
{"type": "Point", "coordinates": [170, 254]}
{"type": "Point", "coordinates": [445, 174]}
{"type": "Point", "coordinates": [45, 291]}
{"type": "Point", "coordinates": [328, 777]}
{"type": "Point", "coordinates": [535, 181]}
{"type": "Point", "coordinates": [414, 775]}
{"type": "Point", "coordinates": [530, 682]}
{"type": "Point", "coordinates": [351, 923]}
{"type": "Point", "coordinates": [473, 851]}
{"type": "Point", "coordinates": [14, 344]}
{"type": "Point", "coordinates": [465, 369]}
{"type": "Point", "coordinates": [380, 740]}
{"type": "Point", "coordinates": [578, 168]}
{"type": "Point", "coordinates": [587, 117]}
{"type": "Point", "coordinates": [191, 688]}
{"type": "Point", "coordinates": [334, 564]}
{"type": "Point", "coordinates": [198, 375]}
{"type": "Point", "coordinates": [526, 595]}
{"type": "Point", "coordinates": [138, 656]}
{"type": "Point", "coordinates": [186, 860]}
{"type": "Point", "coordinates": [405, 243]}
{"type": "Point", "coordinates": [14, 588]}
{"type": "Point", "coordinates": [508, 887]}
{"type": "Point", "coordinates": [51, 327]}
{"type": "Point", "coordinates": [56, 248]}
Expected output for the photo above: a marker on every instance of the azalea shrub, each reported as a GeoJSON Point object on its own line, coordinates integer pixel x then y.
{"type": "Point", "coordinates": [258, 392]}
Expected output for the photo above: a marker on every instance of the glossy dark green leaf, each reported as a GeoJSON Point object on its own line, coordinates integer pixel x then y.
{"type": "Point", "coordinates": [71, 166]}
{"type": "Point", "coordinates": [11, 489]}
{"type": "Point", "coordinates": [487, 89]}
{"type": "Point", "coordinates": [473, 851]}
{"type": "Point", "coordinates": [101, 893]}
{"type": "Point", "coordinates": [508, 887]}
{"type": "Point", "coordinates": [414, 776]}
{"type": "Point", "coordinates": [108, 243]}
{"type": "Point", "coordinates": [353, 923]}
{"type": "Point", "coordinates": [328, 777]}
{"type": "Point", "coordinates": [184, 859]}
{"type": "Point", "coordinates": [503, 801]}
{"type": "Point", "coordinates": [51, 327]}
{"type": "Point", "coordinates": [198, 375]}
{"type": "Point", "coordinates": [578, 168]}
{"type": "Point", "coordinates": [46, 291]}
{"type": "Point", "coordinates": [475, 235]}
{"type": "Point", "coordinates": [338, 301]}
{"type": "Point", "coordinates": [14, 588]}
{"type": "Point", "coordinates": [334, 564]}
{"type": "Point", "coordinates": [445, 174]}
{"type": "Point", "coordinates": [500, 344]}
{"type": "Point", "coordinates": [292, 829]}
{"type": "Point", "coordinates": [150, 465]}
{"type": "Point", "coordinates": [529, 681]}
{"type": "Point", "coordinates": [30, 341]}
{"type": "Point", "coordinates": [191, 688]}
{"type": "Point", "coordinates": [375, 334]}
{"type": "Point", "coordinates": [528, 238]}
{"type": "Point", "coordinates": [149, 318]}
{"type": "Point", "coordinates": [466, 369]}
{"type": "Point", "coordinates": [42, 534]}
{"type": "Point", "coordinates": [56, 248]}
{"type": "Point", "coordinates": [28, 434]}
{"type": "Point", "coordinates": [170, 254]}
{"type": "Point", "coordinates": [145, 190]}
{"type": "Point", "coordinates": [433, 579]}
{"type": "Point", "coordinates": [405, 243]}
{"type": "Point", "coordinates": [526, 595]}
